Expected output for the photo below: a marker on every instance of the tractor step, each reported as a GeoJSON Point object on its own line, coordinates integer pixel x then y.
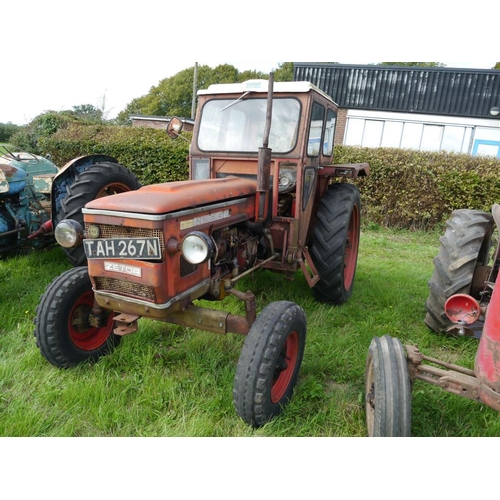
{"type": "Point", "coordinates": [308, 268]}
{"type": "Point", "coordinates": [125, 324]}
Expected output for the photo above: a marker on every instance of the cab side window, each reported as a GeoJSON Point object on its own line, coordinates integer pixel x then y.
{"type": "Point", "coordinates": [315, 129]}
{"type": "Point", "coordinates": [331, 118]}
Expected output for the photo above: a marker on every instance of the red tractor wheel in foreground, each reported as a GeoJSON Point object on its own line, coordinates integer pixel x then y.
{"type": "Point", "coordinates": [269, 363]}
{"type": "Point", "coordinates": [62, 330]}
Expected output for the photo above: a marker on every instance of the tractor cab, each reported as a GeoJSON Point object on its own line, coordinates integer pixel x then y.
{"type": "Point", "coordinates": [291, 162]}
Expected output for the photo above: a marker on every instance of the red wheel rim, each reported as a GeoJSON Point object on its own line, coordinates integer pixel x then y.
{"type": "Point", "coordinates": [110, 189]}
{"type": "Point", "coordinates": [285, 366]}
{"type": "Point", "coordinates": [351, 248]}
{"type": "Point", "coordinates": [83, 336]}
{"type": "Point", "coordinates": [462, 309]}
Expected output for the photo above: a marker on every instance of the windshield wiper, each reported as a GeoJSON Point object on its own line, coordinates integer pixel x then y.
{"type": "Point", "coordinates": [236, 101]}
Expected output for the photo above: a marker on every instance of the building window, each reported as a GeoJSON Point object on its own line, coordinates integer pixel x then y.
{"type": "Point", "coordinates": [486, 148]}
{"type": "Point", "coordinates": [412, 133]}
{"type": "Point", "coordinates": [453, 138]}
{"type": "Point", "coordinates": [393, 133]}
{"type": "Point", "coordinates": [431, 138]}
{"type": "Point", "coordinates": [372, 133]}
{"type": "Point", "coordinates": [354, 132]}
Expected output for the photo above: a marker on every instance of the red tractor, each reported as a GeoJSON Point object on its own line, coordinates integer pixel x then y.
{"type": "Point", "coordinates": [260, 195]}
{"type": "Point", "coordinates": [463, 300]}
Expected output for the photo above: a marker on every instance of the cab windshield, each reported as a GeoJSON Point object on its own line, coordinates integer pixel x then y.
{"type": "Point", "coordinates": [238, 126]}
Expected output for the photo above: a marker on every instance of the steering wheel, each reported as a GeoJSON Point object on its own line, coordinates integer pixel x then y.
{"type": "Point", "coordinates": [19, 155]}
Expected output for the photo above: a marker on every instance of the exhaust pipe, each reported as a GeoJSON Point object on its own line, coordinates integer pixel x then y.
{"type": "Point", "coordinates": [264, 165]}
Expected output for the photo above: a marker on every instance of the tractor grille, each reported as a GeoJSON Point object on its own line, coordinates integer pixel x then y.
{"type": "Point", "coordinates": [125, 288]}
{"type": "Point", "coordinates": [110, 231]}
{"type": "Point", "coordinates": [187, 267]}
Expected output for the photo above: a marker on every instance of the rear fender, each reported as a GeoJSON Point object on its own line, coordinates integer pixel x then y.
{"type": "Point", "coordinates": [68, 173]}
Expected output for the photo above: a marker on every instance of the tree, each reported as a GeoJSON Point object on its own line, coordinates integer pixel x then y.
{"type": "Point", "coordinates": [7, 130]}
{"type": "Point", "coordinates": [173, 96]}
{"type": "Point", "coordinates": [88, 113]}
{"type": "Point", "coordinates": [43, 125]}
{"type": "Point", "coordinates": [497, 66]}
{"type": "Point", "coordinates": [284, 72]}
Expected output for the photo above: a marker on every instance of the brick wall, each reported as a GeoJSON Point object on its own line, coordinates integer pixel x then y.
{"type": "Point", "coordinates": [149, 123]}
{"type": "Point", "coordinates": [340, 126]}
{"type": "Point", "coordinates": [157, 123]}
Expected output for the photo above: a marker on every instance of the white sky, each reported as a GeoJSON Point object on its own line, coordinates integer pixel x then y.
{"type": "Point", "coordinates": [59, 54]}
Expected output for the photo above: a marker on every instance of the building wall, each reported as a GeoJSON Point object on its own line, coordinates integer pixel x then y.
{"type": "Point", "coordinates": [157, 122]}
{"type": "Point", "coordinates": [434, 109]}
{"type": "Point", "coordinates": [152, 123]}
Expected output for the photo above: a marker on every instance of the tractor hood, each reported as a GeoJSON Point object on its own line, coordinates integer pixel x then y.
{"type": "Point", "coordinates": [12, 179]}
{"type": "Point", "coordinates": [173, 196]}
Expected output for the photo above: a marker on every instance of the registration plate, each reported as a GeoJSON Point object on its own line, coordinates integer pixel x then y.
{"type": "Point", "coordinates": [123, 248]}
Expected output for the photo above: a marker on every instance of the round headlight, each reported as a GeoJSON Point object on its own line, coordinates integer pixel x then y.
{"type": "Point", "coordinates": [197, 247]}
{"type": "Point", "coordinates": [69, 233]}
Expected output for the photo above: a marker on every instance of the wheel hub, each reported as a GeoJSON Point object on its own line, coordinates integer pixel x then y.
{"type": "Point", "coordinates": [80, 318]}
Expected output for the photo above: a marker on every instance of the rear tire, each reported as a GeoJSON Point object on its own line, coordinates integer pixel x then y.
{"type": "Point", "coordinates": [269, 363]}
{"type": "Point", "coordinates": [387, 389]}
{"type": "Point", "coordinates": [335, 243]}
{"type": "Point", "coordinates": [463, 253]}
{"type": "Point", "coordinates": [62, 331]}
{"type": "Point", "coordinates": [100, 179]}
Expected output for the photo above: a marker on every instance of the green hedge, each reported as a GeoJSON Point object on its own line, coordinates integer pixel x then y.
{"type": "Point", "coordinates": [405, 188]}
{"type": "Point", "coordinates": [150, 153]}
{"type": "Point", "coordinates": [419, 189]}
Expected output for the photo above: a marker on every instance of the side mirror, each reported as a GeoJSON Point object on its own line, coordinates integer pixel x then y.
{"type": "Point", "coordinates": [174, 127]}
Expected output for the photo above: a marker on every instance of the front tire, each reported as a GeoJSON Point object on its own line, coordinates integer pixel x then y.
{"type": "Point", "coordinates": [387, 389]}
{"type": "Point", "coordinates": [62, 330]}
{"type": "Point", "coordinates": [335, 243]}
{"type": "Point", "coordinates": [269, 363]}
{"type": "Point", "coordinates": [461, 264]}
{"type": "Point", "coordinates": [100, 179]}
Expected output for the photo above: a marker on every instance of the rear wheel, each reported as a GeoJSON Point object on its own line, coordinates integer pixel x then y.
{"type": "Point", "coordinates": [387, 389]}
{"type": "Point", "coordinates": [62, 329]}
{"type": "Point", "coordinates": [461, 265]}
{"type": "Point", "coordinates": [269, 363]}
{"type": "Point", "coordinates": [100, 179]}
{"type": "Point", "coordinates": [335, 243]}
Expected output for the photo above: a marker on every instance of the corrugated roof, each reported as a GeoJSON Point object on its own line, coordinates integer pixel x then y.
{"type": "Point", "coordinates": [442, 91]}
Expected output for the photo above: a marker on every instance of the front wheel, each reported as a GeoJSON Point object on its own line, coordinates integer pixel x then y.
{"type": "Point", "coordinates": [335, 243]}
{"type": "Point", "coordinates": [269, 363]}
{"type": "Point", "coordinates": [63, 332]}
{"type": "Point", "coordinates": [387, 389]}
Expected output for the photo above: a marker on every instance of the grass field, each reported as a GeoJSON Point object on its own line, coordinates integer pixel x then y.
{"type": "Point", "coordinates": [166, 380]}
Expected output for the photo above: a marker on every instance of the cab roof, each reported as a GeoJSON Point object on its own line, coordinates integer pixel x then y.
{"type": "Point", "coordinates": [261, 86]}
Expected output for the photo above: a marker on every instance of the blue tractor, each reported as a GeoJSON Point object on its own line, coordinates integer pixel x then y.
{"type": "Point", "coordinates": [35, 195]}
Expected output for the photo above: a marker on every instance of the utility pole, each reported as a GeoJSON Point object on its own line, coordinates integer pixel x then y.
{"type": "Point", "coordinates": [195, 81]}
